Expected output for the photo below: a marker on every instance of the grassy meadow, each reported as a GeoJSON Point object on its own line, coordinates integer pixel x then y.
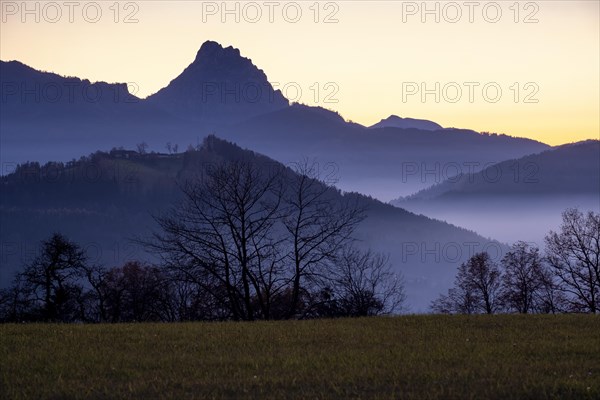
{"type": "Point", "coordinates": [408, 357]}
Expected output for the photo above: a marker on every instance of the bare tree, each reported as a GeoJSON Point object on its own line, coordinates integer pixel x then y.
{"type": "Point", "coordinates": [318, 227]}
{"type": "Point", "coordinates": [483, 277]}
{"type": "Point", "coordinates": [221, 237]}
{"type": "Point", "coordinates": [551, 297]}
{"type": "Point", "coordinates": [364, 284]}
{"type": "Point", "coordinates": [142, 148]}
{"type": "Point", "coordinates": [574, 255]}
{"type": "Point", "coordinates": [51, 279]}
{"type": "Point", "coordinates": [95, 275]}
{"type": "Point", "coordinates": [476, 288]}
{"type": "Point", "coordinates": [259, 247]}
{"type": "Point", "coordinates": [523, 278]}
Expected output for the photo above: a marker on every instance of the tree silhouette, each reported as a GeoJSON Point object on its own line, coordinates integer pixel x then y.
{"type": "Point", "coordinates": [52, 278]}
{"type": "Point", "coordinates": [523, 279]}
{"type": "Point", "coordinates": [476, 288]}
{"type": "Point", "coordinates": [220, 237]}
{"type": "Point", "coordinates": [574, 255]}
{"type": "Point", "coordinates": [317, 228]}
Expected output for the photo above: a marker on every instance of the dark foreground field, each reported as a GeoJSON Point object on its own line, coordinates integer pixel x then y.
{"type": "Point", "coordinates": [414, 357]}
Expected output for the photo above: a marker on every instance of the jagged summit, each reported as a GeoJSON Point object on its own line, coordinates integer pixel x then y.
{"type": "Point", "coordinates": [215, 61]}
{"type": "Point", "coordinates": [220, 84]}
{"type": "Point", "coordinates": [211, 49]}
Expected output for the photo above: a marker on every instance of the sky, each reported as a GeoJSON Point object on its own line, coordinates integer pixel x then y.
{"type": "Point", "coordinates": [528, 69]}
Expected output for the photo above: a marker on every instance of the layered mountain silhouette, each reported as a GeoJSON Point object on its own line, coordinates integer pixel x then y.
{"type": "Point", "coordinates": [524, 195]}
{"type": "Point", "coordinates": [104, 199]}
{"type": "Point", "coordinates": [394, 121]}
{"type": "Point", "coordinates": [383, 162]}
{"type": "Point", "coordinates": [224, 93]}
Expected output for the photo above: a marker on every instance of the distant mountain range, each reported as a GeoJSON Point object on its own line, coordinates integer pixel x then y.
{"type": "Point", "coordinates": [224, 93]}
{"type": "Point", "coordinates": [524, 195]}
{"type": "Point", "coordinates": [104, 199]}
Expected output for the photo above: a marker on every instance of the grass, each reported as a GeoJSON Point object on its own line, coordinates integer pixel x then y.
{"type": "Point", "coordinates": [411, 357]}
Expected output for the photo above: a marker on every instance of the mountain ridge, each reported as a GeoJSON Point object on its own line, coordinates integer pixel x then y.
{"type": "Point", "coordinates": [583, 158]}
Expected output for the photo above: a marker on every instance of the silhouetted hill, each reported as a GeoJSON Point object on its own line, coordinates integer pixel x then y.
{"type": "Point", "coordinates": [524, 195]}
{"type": "Point", "coordinates": [394, 121]}
{"type": "Point", "coordinates": [104, 199]}
{"type": "Point", "coordinates": [567, 169]}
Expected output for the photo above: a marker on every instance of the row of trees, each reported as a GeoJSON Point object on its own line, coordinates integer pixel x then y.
{"type": "Point", "coordinates": [245, 242]}
{"type": "Point", "coordinates": [566, 279]}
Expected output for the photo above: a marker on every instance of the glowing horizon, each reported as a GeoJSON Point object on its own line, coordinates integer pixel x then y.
{"type": "Point", "coordinates": [374, 55]}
